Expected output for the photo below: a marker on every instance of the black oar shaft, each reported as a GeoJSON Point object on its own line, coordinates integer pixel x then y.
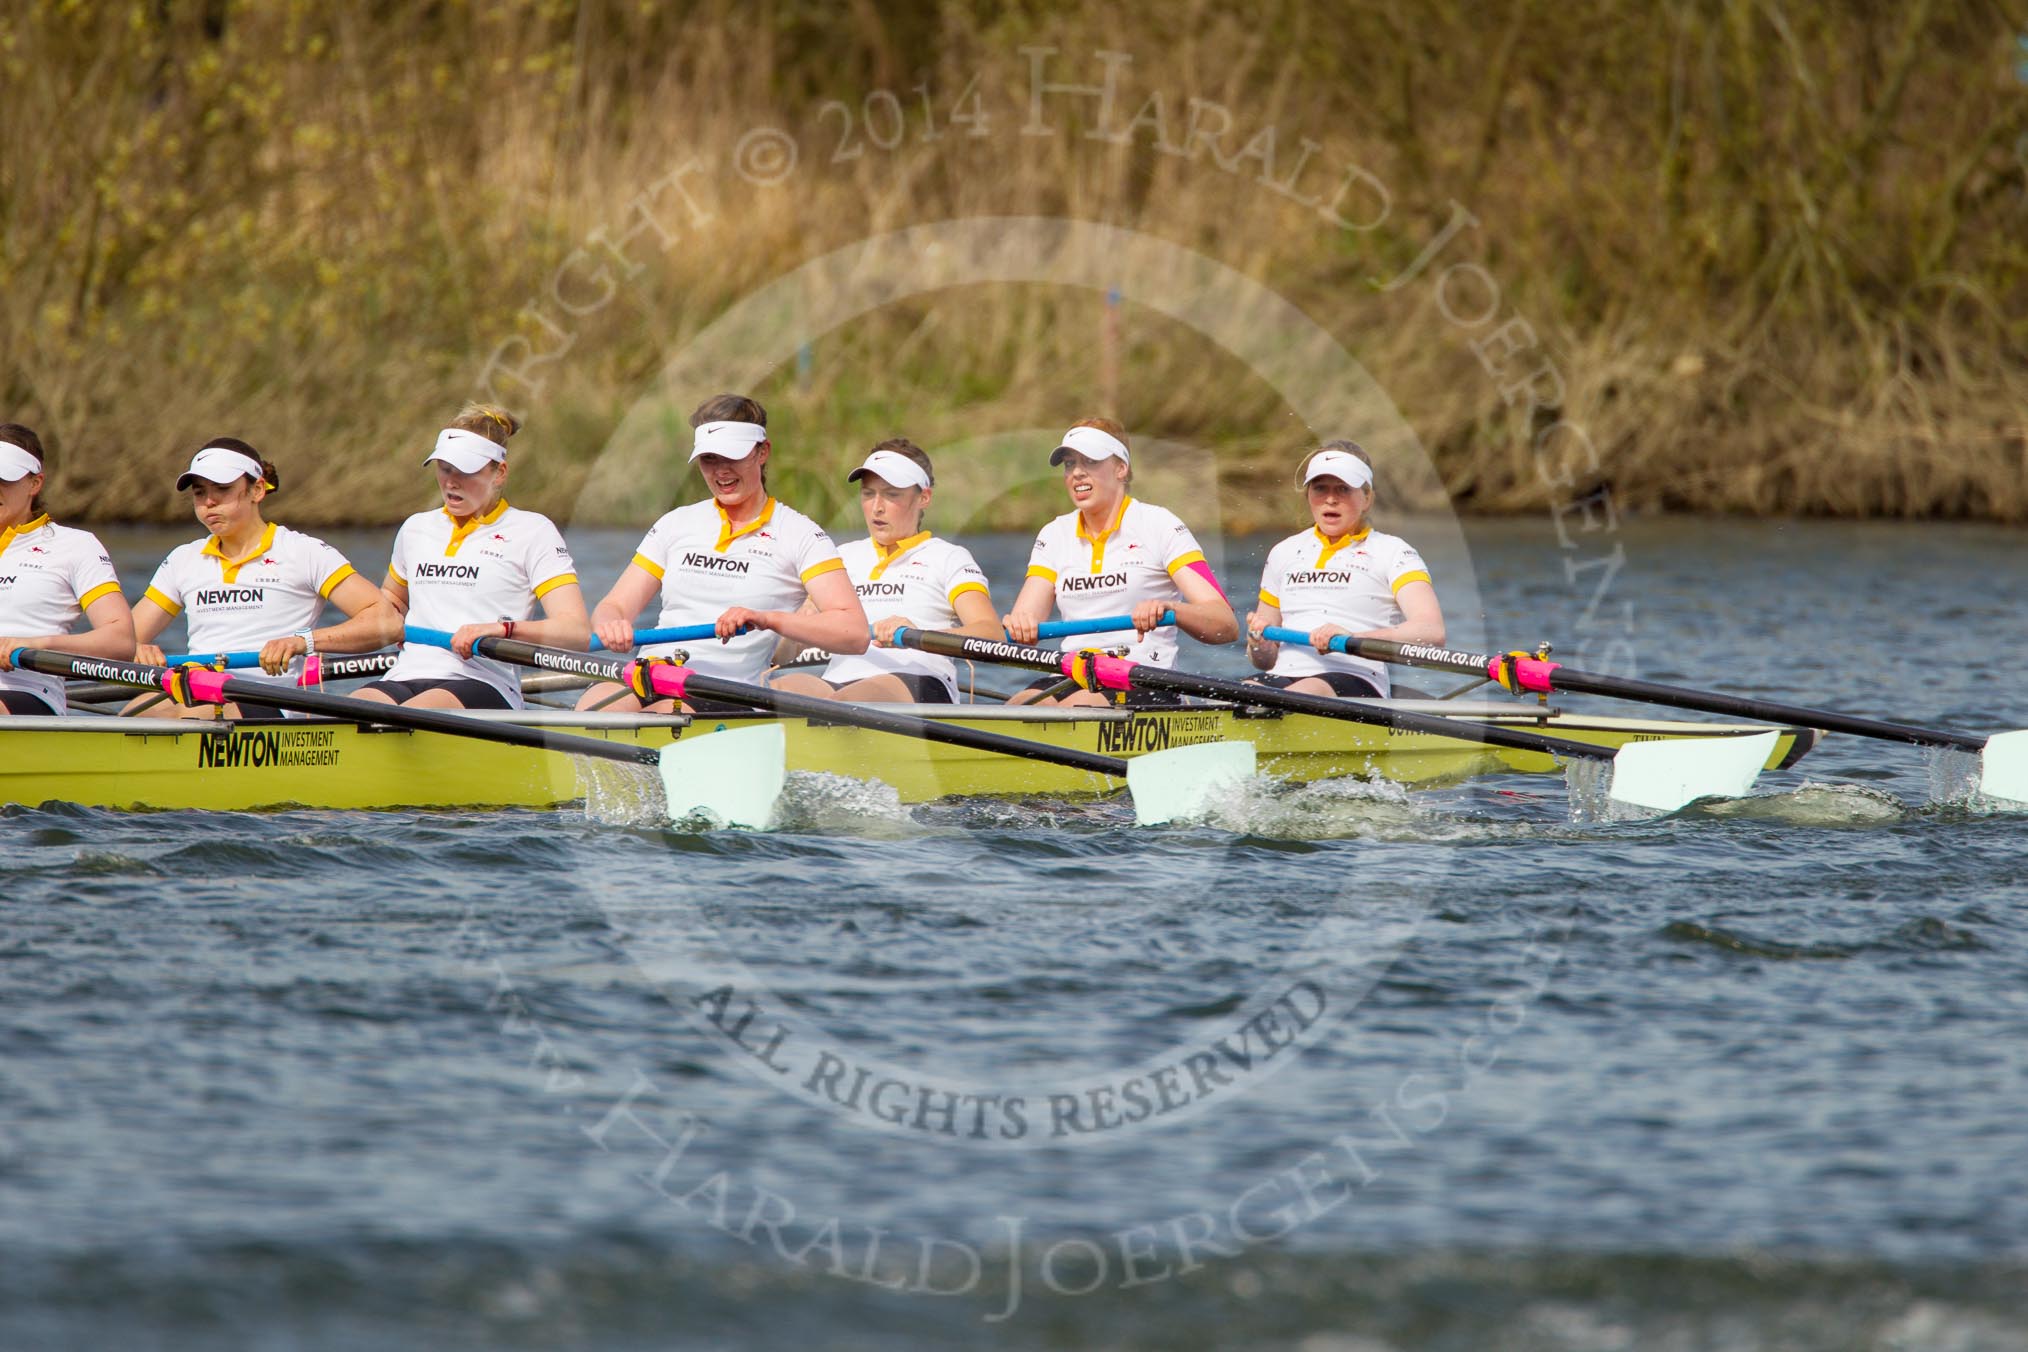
{"type": "Point", "coordinates": [1212, 687]}
{"type": "Point", "coordinates": [1574, 681]}
{"type": "Point", "coordinates": [810, 707]}
{"type": "Point", "coordinates": [238, 690]}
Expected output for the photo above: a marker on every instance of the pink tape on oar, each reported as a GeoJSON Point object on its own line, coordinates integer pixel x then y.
{"type": "Point", "coordinates": [206, 686]}
{"type": "Point", "coordinates": [1528, 673]}
{"type": "Point", "coordinates": [664, 678]}
{"type": "Point", "coordinates": [1110, 672]}
{"type": "Point", "coordinates": [313, 671]}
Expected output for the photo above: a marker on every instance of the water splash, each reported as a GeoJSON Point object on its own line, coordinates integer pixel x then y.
{"type": "Point", "coordinates": [1953, 774]}
{"type": "Point", "coordinates": [1589, 783]}
{"type": "Point", "coordinates": [619, 794]}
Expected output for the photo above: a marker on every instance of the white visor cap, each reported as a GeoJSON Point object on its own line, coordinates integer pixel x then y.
{"type": "Point", "coordinates": [466, 452]}
{"type": "Point", "coordinates": [1092, 444]}
{"type": "Point", "coordinates": [16, 463]}
{"type": "Point", "coordinates": [898, 470]}
{"type": "Point", "coordinates": [220, 465]}
{"type": "Point", "coordinates": [732, 440]}
{"type": "Point", "coordinates": [1355, 473]}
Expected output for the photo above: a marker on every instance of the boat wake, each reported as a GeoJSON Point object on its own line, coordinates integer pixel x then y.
{"type": "Point", "coordinates": [1336, 809]}
{"type": "Point", "coordinates": [839, 805]}
{"type": "Point", "coordinates": [1816, 805]}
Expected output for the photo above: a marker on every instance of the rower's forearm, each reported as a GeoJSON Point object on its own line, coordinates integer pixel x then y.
{"type": "Point", "coordinates": [1208, 621]}
{"type": "Point", "coordinates": [555, 633]}
{"type": "Point", "coordinates": [1410, 631]}
{"type": "Point", "coordinates": [835, 631]}
{"type": "Point", "coordinates": [113, 642]}
{"type": "Point", "coordinates": [368, 631]}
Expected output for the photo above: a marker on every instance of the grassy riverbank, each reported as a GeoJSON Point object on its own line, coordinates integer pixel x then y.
{"type": "Point", "coordinates": [1768, 257]}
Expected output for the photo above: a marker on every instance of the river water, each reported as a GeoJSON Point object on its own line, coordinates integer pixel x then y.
{"type": "Point", "coordinates": [1340, 1070]}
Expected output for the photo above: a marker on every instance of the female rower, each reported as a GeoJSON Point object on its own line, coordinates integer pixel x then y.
{"type": "Point", "coordinates": [1340, 577]}
{"type": "Point", "coordinates": [251, 583]}
{"type": "Point", "coordinates": [906, 578]}
{"type": "Point", "coordinates": [1114, 555]}
{"type": "Point", "coordinates": [476, 567]}
{"type": "Point", "coordinates": [51, 576]}
{"type": "Point", "coordinates": [737, 560]}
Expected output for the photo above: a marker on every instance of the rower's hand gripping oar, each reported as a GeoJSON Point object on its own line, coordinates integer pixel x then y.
{"type": "Point", "coordinates": [685, 777]}
{"type": "Point", "coordinates": [1166, 785]}
{"type": "Point", "coordinates": [1661, 776]}
{"type": "Point", "coordinates": [2003, 756]}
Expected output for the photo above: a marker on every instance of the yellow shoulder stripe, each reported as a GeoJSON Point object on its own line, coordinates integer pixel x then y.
{"type": "Point", "coordinates": [338, 576]}
{"type": "Point", "coordinates": [159, 599]}
{"type": "Point", "coordinates": [817, 570]}
{"type": "Point", "coordinates": [648, 565]}
{"type": "Point", "coordinates": [1037, 570]}
{"type": "Point", "coordinates": [1417, 576]}
{"type": "Point", "coordinates": [543, 589]}
{"type": "Point", "coordinates": [1268, 598]}
{"type": "Point", "coordinates": [964, 587]}
{"type": "Point", "coordinates": [1194, 556]}
{"type": "Point", "coordinates": [103, 589]}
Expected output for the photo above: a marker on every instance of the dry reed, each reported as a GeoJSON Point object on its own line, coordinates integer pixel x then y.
{"type": "Point", "coordinates": [1771, 248]}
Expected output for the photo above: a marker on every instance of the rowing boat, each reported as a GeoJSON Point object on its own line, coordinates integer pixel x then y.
{"type": "Point", "coordinates": [169, 764]}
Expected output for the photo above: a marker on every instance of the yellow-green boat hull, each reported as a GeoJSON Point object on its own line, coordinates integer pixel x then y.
{"type": "Point", "coordinates": [166, 764]}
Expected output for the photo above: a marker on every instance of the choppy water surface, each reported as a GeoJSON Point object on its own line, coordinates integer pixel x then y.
{"type": "Point", "coordinates": [1342, 1069]}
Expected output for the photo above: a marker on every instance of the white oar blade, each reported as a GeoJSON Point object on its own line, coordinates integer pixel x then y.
{"type": "Point", "coordinates": [1183, 780]}
{"type": "Point", "coordinates": [735, 775]}
{"type": "Point", "coordinates": [2003, 767]}
{"type": "Point", "coordinates": [1665, 775]}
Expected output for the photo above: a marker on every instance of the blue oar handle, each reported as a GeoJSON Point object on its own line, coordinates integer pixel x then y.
{"type": "Point", "coordinates": [692, 633]}
{"type": "Point", "coordinates": [1103, 625]}
{"type": "Point", "coordinates": [241, 661]}
{"type": "Point", "coordinates": [1275, 633]}
{"type": "Point", "coordinates": [212, 659]}
{"type": "Point", "coordinates": [688, 633]}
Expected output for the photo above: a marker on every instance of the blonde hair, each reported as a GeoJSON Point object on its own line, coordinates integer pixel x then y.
{"type": "Point", "coordinates": [1351, 448]}
{"type": "Point", "coordinates": [490, 421]}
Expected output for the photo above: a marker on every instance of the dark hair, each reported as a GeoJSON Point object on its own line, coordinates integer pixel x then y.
{"type": "Point", "coordinates": [732, 408]}
{"type": "Point", "coordinates": [490, 421]}
{"type": "Point", "coordinates": [25, 438]}
{"type": "Point", "coordinates": [729, 408]}
{"type": "Point", "coordinates": [908, 450]}
{"type": "Point", "coordinates": [272, 477]}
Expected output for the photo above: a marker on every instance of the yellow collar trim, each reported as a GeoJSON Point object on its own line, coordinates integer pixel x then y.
{"type": "Point", "coordinates": [460, 530]}
{"type": "Point", "coordinates": [726, 533]}
{"type": "Point", "coordinates": [12, 533]}
{"type": "Point", "coordinates": [1332, 546]}
{"type": "Point", "coordinates": [890, 554]}
{"type": "Point", "coordinates": [1098, 542]}
{"type": "Point", "coordinates": [229, 568]}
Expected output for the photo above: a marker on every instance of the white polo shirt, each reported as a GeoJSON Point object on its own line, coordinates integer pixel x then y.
{"type": "Point", "coordinates": [920, 579]}
{"type": "Point", "coordinates": [231, 605]}
{"type": "Point", "coordinates": [1135, 559]}
{"type": "Point", "coordinates": [492, 567]}
{"type": "Point", "coordinates": [1351, 582]}
{"type": "Point", "coordinates": [706, 567]}
{"type": "Point", "coordinates": [49, 576]}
